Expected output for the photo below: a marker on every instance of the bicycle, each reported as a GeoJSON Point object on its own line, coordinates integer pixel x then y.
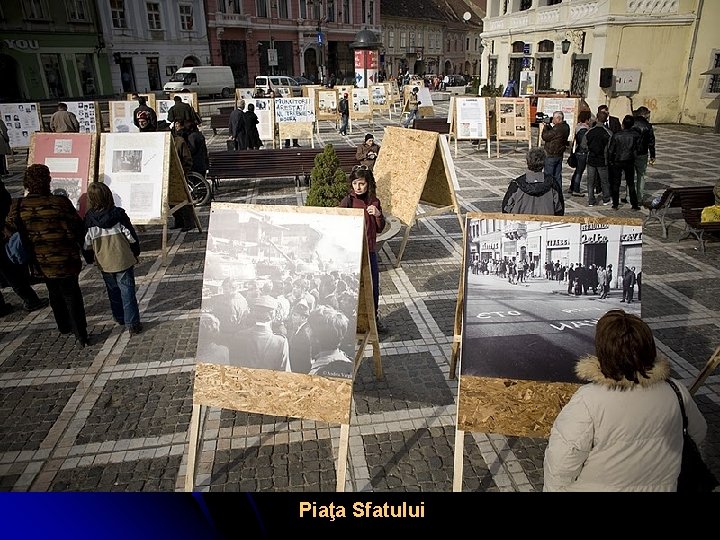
{"type": "Point", "coordinates": [199, 188]}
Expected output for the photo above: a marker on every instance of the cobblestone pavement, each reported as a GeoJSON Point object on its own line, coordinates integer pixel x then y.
{"type": "Point", "coordinates": [115, 416]}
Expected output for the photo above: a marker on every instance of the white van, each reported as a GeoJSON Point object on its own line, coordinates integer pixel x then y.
{"type": "Point", "coordinates": [205, 80]}
{"type": "Point", "coordinates": [269, 83]}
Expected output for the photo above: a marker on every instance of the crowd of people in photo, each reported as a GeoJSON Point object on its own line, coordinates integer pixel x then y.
{"type": "Point", "coordinates": [580, 279]}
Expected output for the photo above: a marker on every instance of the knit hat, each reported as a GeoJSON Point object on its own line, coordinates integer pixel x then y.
{"type": "Point", "coordinates": [368, 137]}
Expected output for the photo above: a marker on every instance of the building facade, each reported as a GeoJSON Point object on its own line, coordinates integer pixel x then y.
{"type": "Point", "coordinates": [309, 37]}
{"type": "Point", "coordinates": [52, 49]}
{"type": "Point", "coordinates": [147, 42]}
{"type": "Point", "coordinates": [427, 37]}
{"type": "Point", "coordinates": [657, 50]}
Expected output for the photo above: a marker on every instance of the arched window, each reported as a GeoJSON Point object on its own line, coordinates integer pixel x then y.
{"type": "Point", "coordinates": [546, 45]}
{"type": "Point", "coordinates": [518, 46]}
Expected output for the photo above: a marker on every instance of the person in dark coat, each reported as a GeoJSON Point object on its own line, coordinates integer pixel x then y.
{"type": "Point", "coordinates": [5, 149]}
{"type": "Point", "coordinates": [237, 126]}
{"type": "Point", "coordinates": [628, 285]}
{"type": "Point", "coordinates": [198, 148]}
{"type": "Point", "coordinates": [15, 275]}
{"type": "Point", "coordinates": [252, 137]}
{"type": "Point", "coordinates": [610, 122]}
{"type": "Point", "coordinates": [55, 233]}
{"type": "Point", "coordinates": [622, 150]}
{"type": "Point", "coordinates": [555, 135]}
{"type": "Point", "coordinates": [144, 116]}
{"type": "Point", "coordinates": [534, 192]}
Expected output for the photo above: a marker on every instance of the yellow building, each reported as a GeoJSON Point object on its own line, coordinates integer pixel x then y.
{"type": "Point", "coordinates": [657, 49]}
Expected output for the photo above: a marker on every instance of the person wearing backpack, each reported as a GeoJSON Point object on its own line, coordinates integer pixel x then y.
{"type": "Point", "coordinates": [581, 151]}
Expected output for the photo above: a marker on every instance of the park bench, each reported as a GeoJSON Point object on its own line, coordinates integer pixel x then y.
{"type": "Point", "coordinates": [659, 207]}
{"type": "Point", "coordinates": [692, 200]}
{"type": "Point", "coordinates": [273, 163]}
{"type": "Point", "coordinates": [438, 124]}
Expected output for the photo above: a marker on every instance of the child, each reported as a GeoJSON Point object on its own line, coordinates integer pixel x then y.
{"type": "Point", "coordinates": [362, 195]}
{"type": "Point", "coordinates": [114, 243]}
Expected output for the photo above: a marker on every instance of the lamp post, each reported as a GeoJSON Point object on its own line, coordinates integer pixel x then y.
{"type": "Point", "coordinates": [317, 4]}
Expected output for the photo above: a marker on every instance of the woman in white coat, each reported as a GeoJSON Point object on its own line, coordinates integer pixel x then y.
{"type": "Point", "coordinates": [623, 430]}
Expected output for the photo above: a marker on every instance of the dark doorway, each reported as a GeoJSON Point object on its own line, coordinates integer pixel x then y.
{"type": "Point", "coordinates": [234, 54]}
{"type": "Point", "coordinates": [127, 75]}
{"type": "Point", "coordinates": [10, 89]}
{"type": "Point", "coordinates": [595, 254]}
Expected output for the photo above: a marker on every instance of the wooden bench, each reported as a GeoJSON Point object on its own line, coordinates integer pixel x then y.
{"type": "Point", "coordinates": [273, 163]}
{"type": "Point", "coordinates": [692, 200]}
{"type": "Point", "coordinates": [659, 207]}
{"type": "Point", "coordinates": [438, 124]}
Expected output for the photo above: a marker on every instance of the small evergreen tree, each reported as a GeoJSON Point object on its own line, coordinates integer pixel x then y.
{"type": "Point", "coordinates": [328, 182]}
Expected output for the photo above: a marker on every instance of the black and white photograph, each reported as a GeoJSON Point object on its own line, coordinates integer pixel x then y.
{"type": "Point", "coordinates": [280, 290]}
{"type": "Point", "coordinates": [127, 161]}
{"type": "Point", "coordinates": [534, 291]}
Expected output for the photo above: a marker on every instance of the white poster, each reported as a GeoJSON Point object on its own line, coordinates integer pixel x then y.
{"type": "Point", "coordinates": [296, 110]}
{"type": "Point", "coordinates": [121, 116]}
{"type": "Point", "coordinates": [327, 101]}
{"type": "Point", "coordinates": [379, 97]}
{"type": "Point", "coordinates": [361, 100]}
{"type": "Point", "coordinates": [22, 120]}
{"type": "Point", "coordinates": [163, 106]}
{"type": "Point", "coordinates": [133, 165]}
{"type": "Point", "coordinates": [424, 96]}
{"type": "Point", "coordinates": [471, 118]}
{"type": "Point", "coordinates": [244, 93]}
{"type": "Point", "coordinates": [568, 106]}
{"type": "Point", "coordinates": [264, 112]}
{"type": "Point", "coordinates": [87, 115]}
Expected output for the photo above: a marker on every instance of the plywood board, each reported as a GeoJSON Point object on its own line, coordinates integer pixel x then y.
{"type": "Point", "coordinates": [288, 130]}
{"type": "Point", "coordinates": [71, 158]}
{"type": "Point", "coordinates": [22, 120]}
{"type": "Point", "coordinates": [402, 168]}
{"type": "Point", "coordinates": [513, 119]}
{"type": "Point", "coordinates": [525, 324]}
{"type": "Point", "coordinates": [151, 99]}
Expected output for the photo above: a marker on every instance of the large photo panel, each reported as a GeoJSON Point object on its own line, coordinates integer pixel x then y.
{"type": "Point", "coordinates": [534, 289]}
{"type": "Point", "coordinates": [279, 308]}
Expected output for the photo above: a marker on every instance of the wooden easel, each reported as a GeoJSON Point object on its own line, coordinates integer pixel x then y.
{"type": "Point", "coordinates": [710, 366]}
{"type": "Point", "coordinates": [527, 136]}
{"type": "Point", "coordinates": [227, 386]}
{"type": "Point", "coordinates": [452, 114]}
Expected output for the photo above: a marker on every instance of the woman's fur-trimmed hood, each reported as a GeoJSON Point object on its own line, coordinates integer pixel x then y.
{"type": "Point", "coordinates": [588, 369]}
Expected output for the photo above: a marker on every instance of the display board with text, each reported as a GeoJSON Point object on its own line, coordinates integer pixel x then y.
{"type": "Point", "coordinates": [21, 120]}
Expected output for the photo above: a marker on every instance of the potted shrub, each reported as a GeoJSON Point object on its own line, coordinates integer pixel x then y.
{"type": "Point", "coordinates": [328, 182]}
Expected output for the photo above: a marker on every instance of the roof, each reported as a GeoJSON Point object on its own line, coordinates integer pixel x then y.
{"type": "Point", "coordinates": [437, 10]}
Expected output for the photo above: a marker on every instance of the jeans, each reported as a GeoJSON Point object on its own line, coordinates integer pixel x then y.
{"type": "Point", "coordinates": [616, 170]}
{"type": "Point", "coordinates": [375, 275]}
{"type": "Point", "coordinates": [598, 175]}
{"type": "Point", "coordinates": [553, 167]}
{"type": "Point", "coordinates": [641, 163]}
{"type": "Point", "coordinates": [577, 175]}
{"type": "Point", "coordinates": [67, 305]}
{"type": "Point", "coordinates": [344, 125]}
{"type": "Point", "coordinates": [410, 118]}
{"type": "Point", "coordinates": [121, 292]}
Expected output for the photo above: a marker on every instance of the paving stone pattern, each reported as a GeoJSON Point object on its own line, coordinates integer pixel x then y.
{"type": "Point", "coordinates": [114, 416]}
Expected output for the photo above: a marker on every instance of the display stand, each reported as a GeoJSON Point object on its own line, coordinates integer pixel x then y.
{"type": "Point", "coordinates": [427, 178]}
{"type": "Point", "coordinates": [295, 119]}
{"type": "Point", "coordinates": [151, 99]}
{"type": "Point", "coordinates": [326, 105]}
{"type": "Point", "coordinates": [469, 120]}
{"type": "Point", "coordinates": [710, 366]}
{"type": "Point", "coordinates": [512, 121]}
{"type": "Point", "coordinates": [570, 107]}
{"type": "Point", "coordinates": [359, 105]}
{"type": "Point", "coordinates": [267, 391]}
{"type": "Point", "coordinates": [379, 99]}
{"type": "Point", "coordinates": [88, 114]}
{"type": "Point", "coordinates": [21, 120]}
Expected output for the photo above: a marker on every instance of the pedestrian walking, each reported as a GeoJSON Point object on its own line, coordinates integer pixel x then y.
{"type": "Point", "coordinates": [252, 136]}
{"type": "Point", "coordinates": [112, 243]}
{"type": "Point", "coordinates": [598, 176]}
{"type": "Point", "coordinates": [344, 111]}
{"type": "Point", "coordinates": [622, 150]}
{"type": "Point", "coordinates": [581, 151]}
{"type": "Point", "coordinates": [413, 106]}
{"type": "Point", "coordinates": [53, 233]}
{"type": "Point", "coordinates": [645, 149]}
{"type": "Point", "coordinates": [237, 126]}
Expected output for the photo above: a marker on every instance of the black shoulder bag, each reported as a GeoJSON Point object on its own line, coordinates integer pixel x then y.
{"type": "Point", "coordinates": [695, 476]}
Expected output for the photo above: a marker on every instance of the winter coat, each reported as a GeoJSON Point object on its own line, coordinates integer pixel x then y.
{"type": "Point", "coordinates": [623, 146]}
{"type": "Point", "coordinates": [55, 233]}
{"type": "Point", "coordinates": [534, 193]}
{"type": "Point", "coordinates": [151, 117]}
{"type": "Point", "coordinates": [4, 140]}
{"type": "Point", "coordinates": [111, 240]}
{"type": "Point", "coordinates": [646, 143]}
{"type": "Point", "coordinates": [180, 112]}
{"type": "Point", "coordinates": [361, 154]}
{"type": "Point", "coordinates": [597, 138]}
{"type": "Point", "coordinates": [64, 122]}
{"type": "Point", "coordinates": [237, 124]}
{"type": "Point", "coordinates": [620, 435]}
{"type": "Point", "coordinates": [252, 137]}
{"type": "Point", "coordinates": [373, 224]}
{"type": "Point", "coordinates": [556, 138]}
{"type": "Point", "coordinates": [343, 107]}
{"type": "Point", "coordinates": [198, 150]}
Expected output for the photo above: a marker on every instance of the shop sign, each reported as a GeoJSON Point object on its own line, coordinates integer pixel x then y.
{"type": "Point", "coordinates": [560, 242]}
{"type": "Point", "coordinates": [593, 226]}
{"type": "Point", "coordinates": [594, 239]}
{"type": "Point", "coordinates": [631, 237]}
{"type": "Point", "coordinates": [22, 44]}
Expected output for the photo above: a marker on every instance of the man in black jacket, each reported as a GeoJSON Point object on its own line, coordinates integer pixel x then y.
{"type": "Point", "coordinates": [534, 192]}
{"type": "Point", "coordinates": [144, 116]}
{"type": "Point", "coordinates": [612, 122]}
{"type": "Point", "coordinates": [646, 144]}
{"type": "Point", "coordinates": [555, 135]}
{"type": "Point", "coordinates": [597, 138]}
{"type": "Point", "coordinates": [622, 150]}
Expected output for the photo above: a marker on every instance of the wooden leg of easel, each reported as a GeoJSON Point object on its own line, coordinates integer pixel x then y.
{"type": "Point", "coordinates": [193, 446]}
{"type": "Point", "coordinates": [402, 245]}
{"type": "Point", "coordinates": [164, 243]}
{"type": "Point", "coordinates": [458, 461]}
{"type": "Point", "coordinates": [454, 356]}
{"type": "Point", "coordinates": [712, 363]}
{"type": "Point", "coordinates": [342, 456]}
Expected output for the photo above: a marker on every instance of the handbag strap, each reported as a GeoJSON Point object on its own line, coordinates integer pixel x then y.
{"type": "Point", "coordinates": [682, 405]}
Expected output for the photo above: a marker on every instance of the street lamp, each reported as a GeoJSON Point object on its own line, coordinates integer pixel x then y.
{"type": "Point", "coordinates": [320, 37]}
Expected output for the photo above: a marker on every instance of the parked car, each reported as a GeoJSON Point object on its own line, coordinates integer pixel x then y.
{"type": "Point", "coordinates": [270, 82]}
{"type": "Point", "coordinates": [456, 80]}
{"type": "Point", "coordinates": [302, 81]}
